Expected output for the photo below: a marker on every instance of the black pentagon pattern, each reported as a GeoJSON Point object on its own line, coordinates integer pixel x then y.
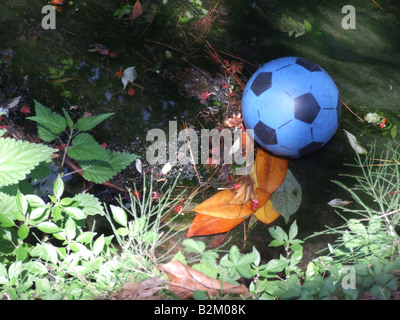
{"type": "Point", "coordinates": [307, 64]}
{"type": "Point", "coordinates": [313, 146]}
{"type": "Point", "coordinates": [306, 108]}
{"type": "Point", "coordinates": [261, 83]}
{"type": "Point", "coordinates": [339, 109]}
{"type": "Point", "coordinates": [266, 134]}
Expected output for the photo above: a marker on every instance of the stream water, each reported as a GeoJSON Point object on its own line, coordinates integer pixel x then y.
{"type": "Point", "coordinates": [364, 63]}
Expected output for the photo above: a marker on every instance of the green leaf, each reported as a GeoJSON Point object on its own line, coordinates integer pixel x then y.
{"type": "Point", "coordinates": [100, 171]}
{"type": "Point", "coordinates": [293, 230]}
{"type": "Point", "coordinates": [19, 158]}
{"type": "Point", "coordinates": [192, 245]}
{"type": "Point", "coordinates": [85, 147]}
{"type": "Point", "coordinates": [67, 117]}
{"type": "Point", "coordinates": [58, 188]}
{"type": "Point", "coordinates": [39, 214]}
{"type": "Point", "coordinates": [48, 227]}
{"type": "Point", "coordinates": [86, 237]}
{"type": "Point", "coordinates": [89, 204]}
{"type": "Point", "coordinates": [6, 247]}
{"type": "Point", "coordinates": [278, 233]}
{"type": "Point", "coordinates": [98, 245]}
{"type": "Point", "coordinates": [88, 123]}
{"type": "Point", "coordinates": [22, 203]}
{"type": "Point", "coordinates": [46, 135]}
{"type": "Point", "coordinates": [23, 231]}
{"type": "Point", "coordinates": [307, 26]}
{"type": "Point", "coordinates": [8, 207]}
{"type": "Point", "coordinates": [75, 213]}
{"type": "Point", "coordinates": [45, 251]}
{"type": "Point", "coordinates": [50, 121]}
{"type": "Point", "coordinates": [119, 215]}
{"type": "Point", "coordinates": [70, 229]}
{"type": "Point", "coordinates": [276, 265]}
{"type": "Point", "coordinates": [393, 132]}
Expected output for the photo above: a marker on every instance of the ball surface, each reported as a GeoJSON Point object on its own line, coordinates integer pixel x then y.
{"type": "Point", "coordinates": [293, 106]}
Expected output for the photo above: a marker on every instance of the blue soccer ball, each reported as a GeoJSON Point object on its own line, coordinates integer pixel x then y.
{"type": "Point", "coordinates": [293, 106]}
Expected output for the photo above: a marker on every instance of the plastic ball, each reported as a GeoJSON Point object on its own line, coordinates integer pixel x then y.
{"type": "Point", "coordinates": [293, 105]}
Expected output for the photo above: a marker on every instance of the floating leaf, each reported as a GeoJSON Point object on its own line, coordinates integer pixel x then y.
{"type": "Point", "coordinates": [354, 143]}
{"type": "Point", "coordinates": [137, 11]}
{"type": "Point", "coordinates": [129, 75]}
{"type": "Point", "coordinates": [184, 281]}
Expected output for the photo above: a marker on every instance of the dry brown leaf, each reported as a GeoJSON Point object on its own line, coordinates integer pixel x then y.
{"type": "Point", "coordinates": [184, 280]}
{"type": "Point", "coordinates": [145, 290]}
{"type": "Point", "coordinates": [246, 191]}
{"type": "Point", "coordinates": [219, 205]}
{"type": "Point", "coordinates": [137, 11]}
{"type": "Point", "coordinates": [270, 170]}
{"type": "Point", "coordinates": [203, 225]}
{"type": "Point", "coordinates": [267, 213]}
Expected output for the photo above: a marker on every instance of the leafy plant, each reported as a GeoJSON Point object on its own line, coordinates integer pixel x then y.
{"type": "Point", "coordinates": [25, 263]}
{"type": "Point", "coordinates": [97, 164]}
{"type": "Point", "coordinates": [57, 75]}
{"type": "Point", "coordinates": [376, 194]}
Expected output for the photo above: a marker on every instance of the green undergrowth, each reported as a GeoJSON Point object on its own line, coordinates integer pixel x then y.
{"type": "Point", "coordinates": [47, 250]}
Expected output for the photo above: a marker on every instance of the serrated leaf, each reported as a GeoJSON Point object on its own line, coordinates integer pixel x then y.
{"type": "Point", "coordinates": [19, 158]}
{"type": "Point", "coordinates": [8, 208]}
{"type": "Point", "coordinates": [89, 204]}
{"type": "Point", "coordinates": [100, 171]}
{"type": "Point", "coordinates": [53, 123]}
{"type": "Point", "coordinates": [88, 123]}
{"type": "Point", "coordinates": [67, 117]}
{"type": "Point", "coordinates": [22, 203]}
{"type": "Point", "coordinates": [194, 246]}
{"type": "Point", "coordinates": [85, 147]}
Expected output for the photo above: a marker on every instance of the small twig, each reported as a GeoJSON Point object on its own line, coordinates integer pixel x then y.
{"type": "Point", "coordinates": [377, 5]}
{"type": "Point", "coordinates": [362, 120]}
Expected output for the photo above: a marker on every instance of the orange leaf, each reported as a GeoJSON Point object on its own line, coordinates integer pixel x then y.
{"type": "Point", "coordinates": [270, 170]}
{"type": "Point", "coordinates": [203, 225]}
{"type": "Point", "coordinates": [219, 205]}
{"type": "Point", "coordinates": [137, 11]}
{"type": "Point", "coordinates": [267, 213]}
{"type": "Point", "coordinates": [184, 280]}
